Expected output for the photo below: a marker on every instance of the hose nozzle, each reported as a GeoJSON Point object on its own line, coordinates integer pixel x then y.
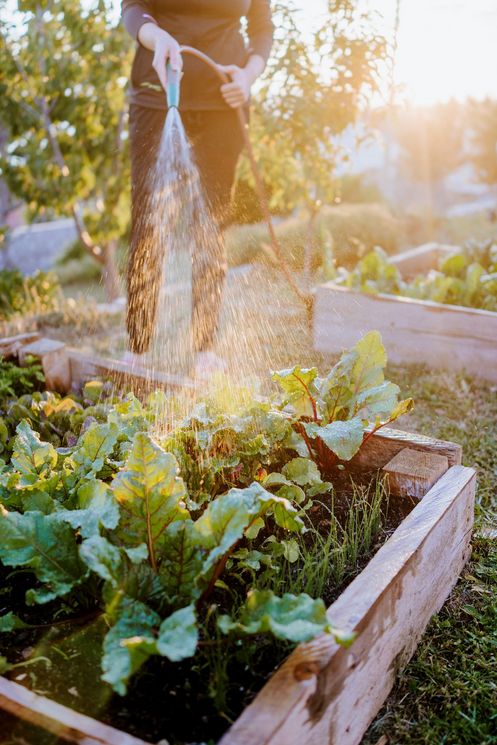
{"type": "Point", "coordinates": [172, 87]}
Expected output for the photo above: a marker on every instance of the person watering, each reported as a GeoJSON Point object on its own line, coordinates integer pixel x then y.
{"type": "Point", "coordinates": [208, 112]}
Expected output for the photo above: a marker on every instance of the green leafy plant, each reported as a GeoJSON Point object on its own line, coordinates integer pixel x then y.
{"type": "Point", "coordinates": [173, 539]}
{"type": "Point", "coordinates": [334, 416]}
{"type": "Point", "coordinates": [16, 381]}
{"type": "Point", "coordinates": [36, 293]}
{"type": "Point", "coordinates": [467, 277]}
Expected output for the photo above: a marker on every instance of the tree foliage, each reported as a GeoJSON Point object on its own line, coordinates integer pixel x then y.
{"type": "Point", "coordinates": [312, 91]}
{"type": "Point", "coordinates": [64, 66]}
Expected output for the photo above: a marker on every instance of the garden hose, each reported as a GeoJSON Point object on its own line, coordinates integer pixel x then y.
{"type": "Point", "coordinates": [172, 92]}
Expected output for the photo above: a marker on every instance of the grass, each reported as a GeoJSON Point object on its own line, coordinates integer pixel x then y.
{"type": "Point", "coordinates": [448, 693]}
{"type": "Point", "coordinates": [337, 548]}
{"type": "Point", "coordinates": [462, 409]}
{"type": "Point", "coordinates": [354, 230]}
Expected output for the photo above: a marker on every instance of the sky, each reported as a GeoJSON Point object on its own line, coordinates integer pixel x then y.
{"type": "Point", "coordinates": [446, 48]}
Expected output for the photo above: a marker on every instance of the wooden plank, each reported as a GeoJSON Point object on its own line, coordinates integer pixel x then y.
{"type": "Point", "coordinates": [10, 345]}
{"type": "Point", "coordinates": [325, 694]}
{"type": "Point", "coordinates": [387, 442]}
{"type": "Point", "coordinates": [87, 367]}
{"type": "Point", "coordinates": [54, 361]}
{"type": "Point", "coordinates": [421, 259]}
{"type": "Point", "coordinates": [413, 331]}
{"type": "Point", "coordinates": [60, 720]}
{"type": "Point", "coordinates": [411, 473]}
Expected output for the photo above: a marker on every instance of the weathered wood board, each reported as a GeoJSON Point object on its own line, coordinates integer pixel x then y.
{"type": "Point", "coordinates": [60, 720]}
{"type": "Point", "coordinates": [413, 331]}
{"type": "Point", "coordinates": [327, 695]}
{"type": "Point", "coordinates": [421, 259]}
{"type": "Point", "coordinates": [86, 367]}
{"type": "Point", "coordinates": [386, 443]}
{"type": "Point", "coordinates": [411, 473]}
{"type": "Point", "coordinates": [10, 345]}
{"type": "Point", "coordinates": [53, 357]}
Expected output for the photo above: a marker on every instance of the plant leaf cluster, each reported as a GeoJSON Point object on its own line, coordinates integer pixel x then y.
{"type": "Point", "coordinates": [168, 535]}
{"type": "Point", "coordinates": [466, 277]}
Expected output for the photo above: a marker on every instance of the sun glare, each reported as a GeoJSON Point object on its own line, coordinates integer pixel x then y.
{"type": "Point", "coordinates": [446, 48]}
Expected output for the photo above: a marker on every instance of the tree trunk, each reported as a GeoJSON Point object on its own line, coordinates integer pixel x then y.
{"type": "Point", "coordinates": [309, 247]}
{"type": "Point", "coordinates": [110, 272]}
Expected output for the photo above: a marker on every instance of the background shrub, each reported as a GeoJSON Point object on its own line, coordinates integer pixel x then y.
{"type": "Point", "coordinates": [37, 293]}
{"type": "Point", "coordinates": [354, 230]}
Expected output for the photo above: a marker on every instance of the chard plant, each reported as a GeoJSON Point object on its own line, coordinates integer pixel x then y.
{"type": "Point", "coordinates": [173, 538]}
{"type": "Point", "coordinates": [333, 417]}
{"type": "Point", "coordinates": [466, 277]}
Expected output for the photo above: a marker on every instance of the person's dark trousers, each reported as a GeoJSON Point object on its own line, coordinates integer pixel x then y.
{"type": "Point", "coordinates": [217, 141]}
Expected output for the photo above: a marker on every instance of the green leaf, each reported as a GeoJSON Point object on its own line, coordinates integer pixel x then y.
{"type": "Point", "coordinates": [94, 447]}
{"type": "Point", "coordinates": [45, 545]}
{"type": "Point", "coordinates": [134, 638]}
{"type": "Point", "coordinates": [223, 524]}
{"type": "Point", "coordinates": [276, 479]}
{"type": "Point", "coordinates": [121, 658]}
{"type": "Point", "coordinates": [178, 635]}
{"type": "Point", "coordinates": [251, 559]}
{"type": "Point", "coordinates": [294, 493]}
{"type": "Point", "coordinates": [5, 665]}
{"type": "Point", "coordinates": [183, 557]}
{"type": "Point", "coordinates": [302, 471]}
{"type": "Point", "coordinates": [367, 371]}
{"type": "Point", "coordinates": [137, 554]}
{"type": "Point", "coordinates": [92, 390]}
{"type": "Point", "coordinates": [342, 438]}
{"type": "Point", "coordinates": [33, 459]}
{"type": "Point", "coordinates": [102, 557]}
{"type": "Point", "coordinates": [299, 386]}
{"type": "Point", "coordinates": [403, 407]}
{"type": "Point", "coordinates": [38, 501]}
{"type": "Point", "coordinates": [379, 400]}
{"type": "Point", "coordinates": [129, 416]}
{"type": "Point", "coordinates": [11, 622]}
{"type": "Point", "coordinates": [297, 618]}
{"type": "Point", "coordinates": [454, 264]}
{"type": "Point", "coordinates": [95, 508]}
{"type": "Point", "coordinates": [474, 274]}
{"type": "Point", "coordinates": [150, 494]}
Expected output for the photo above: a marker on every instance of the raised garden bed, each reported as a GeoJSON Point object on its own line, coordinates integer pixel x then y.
{"type": "Point", "coordinates": [66, 369]}
{"type": "Point", "coordinates": [413, 331]}
{"type": "Point", "coordinates": [325, 693]}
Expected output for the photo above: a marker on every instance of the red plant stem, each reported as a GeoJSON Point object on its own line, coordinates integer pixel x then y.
{"type": "Point", "coordinates": [311, 399]}
{"type": "Point", "coordinates": [301, 431]}
{"type": "Point", "coordinates": [217, 573]}
{"type": "Point", "coordinates": [325, 454]}
{"type": "Point", "coordinates": [375, 430]}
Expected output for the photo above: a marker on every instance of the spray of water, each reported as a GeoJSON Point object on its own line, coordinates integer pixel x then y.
{"type": "Point", "coordinates": [183, 258]}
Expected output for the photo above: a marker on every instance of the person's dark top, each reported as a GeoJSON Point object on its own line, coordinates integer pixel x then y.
{"type": "Point", "coordinates": [213, 27]}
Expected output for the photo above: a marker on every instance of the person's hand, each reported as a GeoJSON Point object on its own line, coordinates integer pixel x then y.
{"type": "Point", "coordinates": [165, 48]}
{"type": "Point", "coordinates": [237, 92]}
